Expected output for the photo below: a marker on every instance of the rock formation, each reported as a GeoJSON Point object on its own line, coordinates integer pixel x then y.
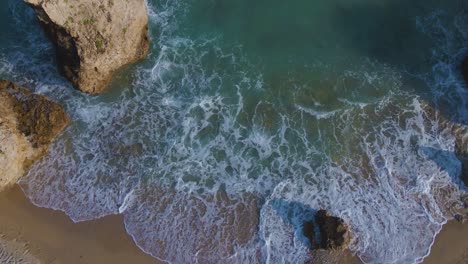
{"type": "Point", "coordinates": [94, 38]}
{"type": "Point", "coordinates": [333, 232]}
{"type": "Point", "coordinates": [28, 123]}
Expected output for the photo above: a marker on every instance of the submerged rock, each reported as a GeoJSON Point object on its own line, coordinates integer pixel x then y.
{"type": "Point", "coordinates": [461, 149]}
{"type": "Point", "coordinates": [460, 133]}
{"type": "Point", "coordinates": [28, 123]}
{"type": "Point", "coordinates": [94, 38]}
{"type": "Point", "coordinates": [333, 232]}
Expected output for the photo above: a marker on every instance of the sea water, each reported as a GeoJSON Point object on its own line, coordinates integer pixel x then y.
{"type": "Point", "coordinates": [248, 116]}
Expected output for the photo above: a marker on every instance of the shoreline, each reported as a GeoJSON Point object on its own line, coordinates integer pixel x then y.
{"type": "Point", "coordinates": [50, 236]}
{"type": "Point", "coordinates": [450, 245]}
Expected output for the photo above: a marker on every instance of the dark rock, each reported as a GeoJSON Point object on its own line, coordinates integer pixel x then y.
{"type": "Point", "coordinates": [464, 174]}
{"type": "Point", "coordinates": [333, 232]}
{"type": "Point", "coordinates": [464, 69]}
{"type": "Point", "coordinates": [459, 218]}
{"type": "Point", "coordinates": [309, 232]}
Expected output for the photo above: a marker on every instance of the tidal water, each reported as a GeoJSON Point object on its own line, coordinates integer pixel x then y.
{"type": "Point", "coordinates": [250, 115]}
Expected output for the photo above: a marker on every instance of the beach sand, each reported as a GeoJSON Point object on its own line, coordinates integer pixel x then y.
{"type": "Point", "coordinates": [451, 245]}
{"type": "Point", "coordinates": [52, 238]}
{"type": "Point", "coordinates": [49, 236]}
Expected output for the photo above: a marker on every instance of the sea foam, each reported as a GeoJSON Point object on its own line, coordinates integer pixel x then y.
{"type": "Point", "coordinates": [206, 163]}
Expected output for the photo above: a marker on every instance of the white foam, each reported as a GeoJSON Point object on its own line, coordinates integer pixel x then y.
{"type": "Point", "coordinates": [162, 150]}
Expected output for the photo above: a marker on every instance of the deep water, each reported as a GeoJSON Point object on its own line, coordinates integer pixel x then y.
{"type": "Point", "coordinates": [248, 116]}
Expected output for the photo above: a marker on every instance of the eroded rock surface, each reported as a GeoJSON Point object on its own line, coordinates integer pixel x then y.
{"type": "Point", "coordinates": [28, 123]}
{"type": "Point", "coordinates": [333, 232]}
{"type": "Point", "coordinates": [94, 38]}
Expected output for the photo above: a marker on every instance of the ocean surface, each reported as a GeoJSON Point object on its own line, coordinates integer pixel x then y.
{"type": "Point", "coordinates": [250, 115]}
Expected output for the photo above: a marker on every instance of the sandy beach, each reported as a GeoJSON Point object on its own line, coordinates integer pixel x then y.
{"type": "Point", "coordinates": [52, 238]}
{"type": "Point", "coordinates": [46, 236]}
{"type": "Point", "coordinates": [451, 245]}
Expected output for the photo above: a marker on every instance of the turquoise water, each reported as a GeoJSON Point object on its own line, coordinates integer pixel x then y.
{"type": "Point", "coordinates": [285, 107]}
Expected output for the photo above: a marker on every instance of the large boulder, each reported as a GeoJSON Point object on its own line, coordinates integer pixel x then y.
{"type": "Point", "coordinates": [333, 232]}
{"type": "Point", "coordinates": [94, 38]}
{"type": "Point", "coordinates": [28, 123]}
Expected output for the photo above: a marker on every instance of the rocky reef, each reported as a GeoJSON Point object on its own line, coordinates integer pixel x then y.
{"type": "Point", "coordinates": [94, 38]}
{"type": "Point", "coordinates": [28, 123]}
{"type": "Point", "coordinates": [333, 232]}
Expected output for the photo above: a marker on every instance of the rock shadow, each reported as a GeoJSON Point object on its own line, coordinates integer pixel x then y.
{"type": "Point", "coordinates": [296, 214]}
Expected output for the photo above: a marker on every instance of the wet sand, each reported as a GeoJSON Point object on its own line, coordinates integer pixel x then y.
{"type": "Point", "coordinates": [51, 237]}
{"type": "Point", "coordinates": [451, 245]}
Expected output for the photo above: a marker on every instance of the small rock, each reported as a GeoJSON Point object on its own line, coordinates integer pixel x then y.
{"type": "Point", "coordinates": [459, 218]}
{"type": "Point", "coordinates": [333, 232]}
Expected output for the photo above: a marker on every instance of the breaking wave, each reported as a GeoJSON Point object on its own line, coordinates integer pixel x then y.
{"type": "Point", "coordinates": [207, 160]}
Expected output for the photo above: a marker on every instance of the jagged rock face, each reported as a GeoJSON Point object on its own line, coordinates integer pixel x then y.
{"type": "Point", "coordinates": [94, 38]}
{"type": "Point", "coordinates": [28, 123]}
{"type": "Point", "coordinates": [333, 232]}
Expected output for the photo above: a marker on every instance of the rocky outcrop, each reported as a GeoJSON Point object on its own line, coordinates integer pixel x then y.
{"type": "Point", "coordinates": [333, 232]}
{"type": "Point", "coordinates": [28, 123]}
{"type": "Point", "coordinates": [94, 38]}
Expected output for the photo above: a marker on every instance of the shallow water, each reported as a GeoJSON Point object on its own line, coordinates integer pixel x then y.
{"type": "Point", "coordinates": [249, 116]}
